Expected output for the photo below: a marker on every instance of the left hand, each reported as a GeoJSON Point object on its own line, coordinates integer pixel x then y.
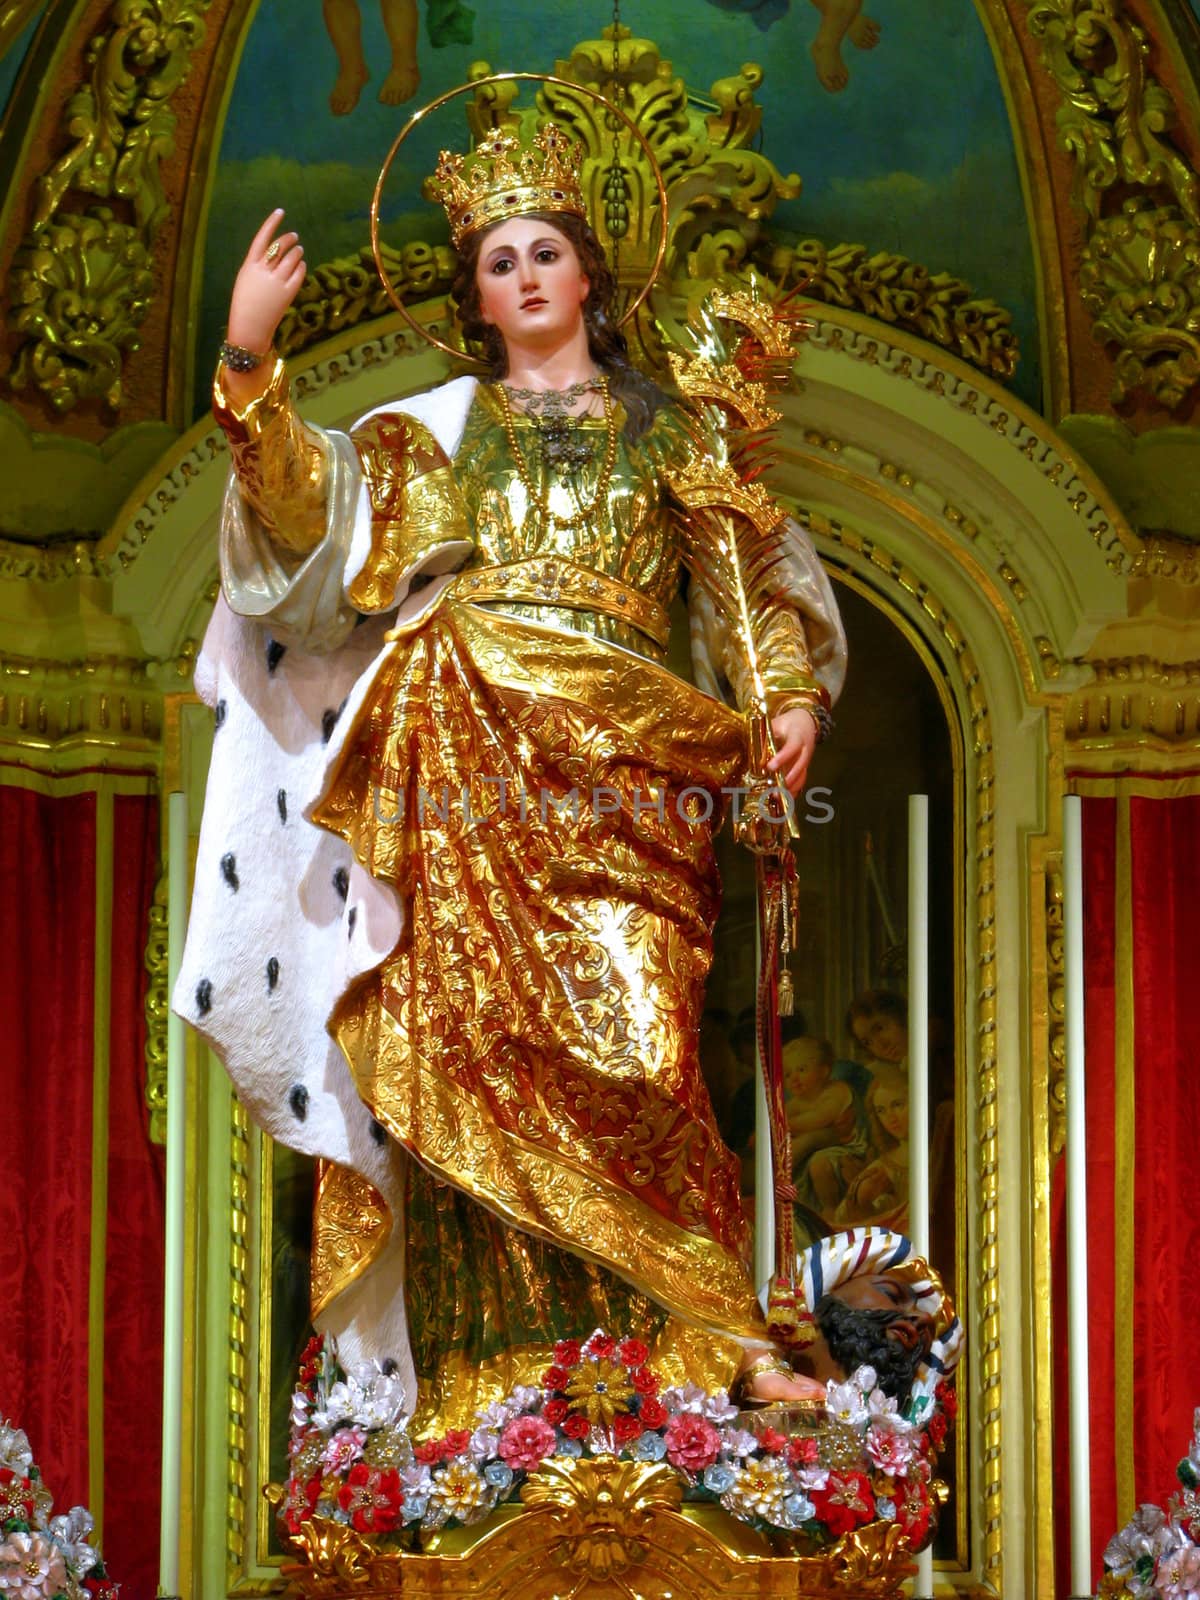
{"type": "Point", "coordinates": [796, 735]}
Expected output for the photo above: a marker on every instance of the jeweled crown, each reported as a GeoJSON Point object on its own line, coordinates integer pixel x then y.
{"type": "Point", "coordinates": [504, 178]}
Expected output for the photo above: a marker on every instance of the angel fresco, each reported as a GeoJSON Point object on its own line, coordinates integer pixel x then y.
{"type": "Point", "coordinates": [840, 20]}
{"type": "Point", "coordinates": [446, 22]}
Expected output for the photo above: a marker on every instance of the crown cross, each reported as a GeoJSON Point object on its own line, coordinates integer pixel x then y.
{"type": "Point", "coordinates": [503, 178]}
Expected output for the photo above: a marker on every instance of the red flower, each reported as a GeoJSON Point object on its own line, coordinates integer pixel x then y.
{"type": "Point", "coordinates": [555, 1378]}
{"type": "Point", "coordinates": [644, 1381]}
{"type": "Point", "coordinates": [632, 1353]}
{"type": "Point", "coordinates": [567, 1353]}
{"type": "Point", "coordinates": [936, 1429]}
{"type": "Point", "coordinates": [301, 1501]}
{"type": "Point", "coordinates": [373, 1498]}
{"type": "Point", "coordinates": [576, 1426]}
{"type": "Point", "coordinates": [692, 1442]}
{"type": "Point", "coordinates": [772, 1441]}
{"type": "Point", "coordinates": [429, 1452]}
{"type": "Point", "coordinates": [845, 1502]}
{"type": "Point", "coordinates": [555, 1411]}
{"type": "Point", "coordinates": [457, 1441]}
{"type": "Point", "coordinates": [626, 1427]}
{"type": "Point", "coordinates": [914, 1510]}
{"type": "Point", "coordinates": [601, 1345]}
{"type": "Point", "coordinates": [802, 1452]}
{"type": "Point", "coordinates": [526, 1442]}
{"type": "Point", "coordinates": [652, 1413]}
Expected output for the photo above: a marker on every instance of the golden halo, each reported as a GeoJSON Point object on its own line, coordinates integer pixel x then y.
{"type": "Point", "coordinates": [513, 77]}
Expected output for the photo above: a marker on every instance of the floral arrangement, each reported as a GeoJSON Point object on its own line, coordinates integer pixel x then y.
{"type": "Point", "coordinates": [352, 1458]}
{"type": "Point", "coordinates": [42, 1557]}
{"type": "Point", "coordinates": [1157, 1554]}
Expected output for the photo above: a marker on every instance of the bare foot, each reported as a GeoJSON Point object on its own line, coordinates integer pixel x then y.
{"type": "Point", "coordinates": [344, 95]}
{"type": "Point", "coordinates": [400, 85]}
{"type": "Point", "coordinates": [863, 32]}
{"type": "Point", "coordinates": [827, 57]}
{"type": "Point", "coordinates": [777, 1386]}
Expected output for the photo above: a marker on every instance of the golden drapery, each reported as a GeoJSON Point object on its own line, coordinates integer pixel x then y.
{"type": "Point", "coordinates": [541, 792]}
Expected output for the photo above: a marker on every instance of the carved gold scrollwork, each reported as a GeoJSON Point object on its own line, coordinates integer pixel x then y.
{"type": "Point", "coordinates": [157, 1010]}
{"type": "Point", "coordinates": [81, 286]}
{"type": "Point", "coordinates": [937, 306]}
{"type": "Point", "coordinates": [344, 292]}
{"type": "Point", "coordinates": [1140, 267]}
{"type": "Point", "coordinates": [602, 1508]}
{"type": "Point", "coordinates": [81, 283]}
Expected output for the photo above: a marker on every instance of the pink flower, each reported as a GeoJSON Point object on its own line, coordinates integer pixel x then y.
{"type": "Point", "coordinates": [343, 1449]}
{"type": "Point", "coordinates": [526, 1442]}
{"type": "Point", "coordinates": [692, 1442]}
{"type": "Point", "coordinates": [890, 1449]}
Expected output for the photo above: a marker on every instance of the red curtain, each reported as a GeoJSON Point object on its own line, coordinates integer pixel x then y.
{"type": "Point", "coordinates": [47, 935]}
{"type": "Point", "coordinates": [48, 867]}
{"type": "Point", "coordinates": [1156, 916]}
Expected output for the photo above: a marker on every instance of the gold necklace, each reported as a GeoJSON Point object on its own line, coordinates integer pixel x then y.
{"type": "Point", "coordinates": [541, 502]}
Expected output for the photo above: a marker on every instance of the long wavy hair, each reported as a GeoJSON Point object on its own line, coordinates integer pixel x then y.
{"type": "Point", "coordinates": [640, 395]}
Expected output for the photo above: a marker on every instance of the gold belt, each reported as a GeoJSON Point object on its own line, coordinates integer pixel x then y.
{"type": "Point", "coordinates": [558, 582]}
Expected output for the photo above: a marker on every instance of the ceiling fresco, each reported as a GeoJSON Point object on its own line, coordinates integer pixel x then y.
{"type": "Point", "coordinates": [894, 118]}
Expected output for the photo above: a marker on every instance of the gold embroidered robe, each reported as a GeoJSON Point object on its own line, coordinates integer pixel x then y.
{"type": "Point", "coordinates": [540, 790]}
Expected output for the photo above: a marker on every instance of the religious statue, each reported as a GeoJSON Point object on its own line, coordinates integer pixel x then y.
{"type": "Point", "coordinates": [455, 888]}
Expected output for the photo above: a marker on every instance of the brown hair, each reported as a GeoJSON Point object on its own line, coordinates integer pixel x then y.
{"type": "Point", "coordinates": [640, 395]}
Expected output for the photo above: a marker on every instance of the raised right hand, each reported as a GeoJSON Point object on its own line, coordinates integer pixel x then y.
{"type": "Point", "coordinates": [264, 289]}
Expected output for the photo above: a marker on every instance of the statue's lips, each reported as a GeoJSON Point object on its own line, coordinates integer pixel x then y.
{"type": "Point", "coordinates": [909, 1333]}
{"type": "Point", "coordinates": [533, 304]}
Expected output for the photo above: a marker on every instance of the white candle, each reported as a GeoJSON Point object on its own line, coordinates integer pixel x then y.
{"type": "Point", "coordinates": [918, 1063]}
{"type": "Point", "coordinates": [1076, 1156]}
{"type": "Point", "coordinates": [172, 1423]}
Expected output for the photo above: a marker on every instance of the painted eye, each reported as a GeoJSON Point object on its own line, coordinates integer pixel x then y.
{"type": "Point", "coordinates": [547, 253]}
{"type": "Point", "coordinates": [501, 266]}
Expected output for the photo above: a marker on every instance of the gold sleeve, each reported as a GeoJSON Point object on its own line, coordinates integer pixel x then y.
{"type": "Point", "coordinates": [280, 463]}
{"type": "Point", "coordinates": [786, 661]}
{"type": "Point", "coordinates": [418, 517]}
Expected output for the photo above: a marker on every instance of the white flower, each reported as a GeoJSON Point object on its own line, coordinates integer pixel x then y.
{"type": "Point", "coordinates": [881, 1404]}
{"type": "Point", "coordinates": [70, 1532]}
{"type": "Point", "coordinates": [485, 1442]}
{"type": "Point", "coordinates": [719, 1407]}
{"type": "Point", "coordinates": [31, 1567]}
{"type": "Point", "coordinates": [523, 1398]}
{"type": "Point", "coordinates": [1148, 1534]}
{"type": "Point", "coordinates": [885, 1509]}
{"type": "Point", "coordinates": [738, 1442]}
{"type": "Point", "coordinates": [338, 1407]}
{"type": "Point", "coordinates": [844, 1402]}
{"type": "Point", "coordinates": [812, 1477]}
{"type": "Point", "coordinates": [14, 1450]}
{"type": "Point", "coordinates": [691, 1397]}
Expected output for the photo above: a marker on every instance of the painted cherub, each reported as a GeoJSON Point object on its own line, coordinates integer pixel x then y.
{"type": "Point", "coordinates": [343, 21]}
{"type": "Point", "coordinates": [840, 19]}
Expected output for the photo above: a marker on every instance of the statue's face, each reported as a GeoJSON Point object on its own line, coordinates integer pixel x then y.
{"type": "Point", "coordinates": [907, 1326]}
{"type": "Point", "coordinates": [531, 284]}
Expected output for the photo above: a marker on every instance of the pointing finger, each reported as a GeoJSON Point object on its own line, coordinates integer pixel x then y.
{"type": "Point", "coordinates": [258, 247]}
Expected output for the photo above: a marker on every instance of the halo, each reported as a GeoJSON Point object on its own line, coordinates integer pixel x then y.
{"type": "Point", "coordinates": [513, 77]}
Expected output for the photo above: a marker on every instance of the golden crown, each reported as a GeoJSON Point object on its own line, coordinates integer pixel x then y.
{"type": "Point", "coordinates": [504, 178]}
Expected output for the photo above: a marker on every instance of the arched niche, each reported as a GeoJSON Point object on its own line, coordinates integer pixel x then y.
{"type": "Point", "coordinates": [975, 530]}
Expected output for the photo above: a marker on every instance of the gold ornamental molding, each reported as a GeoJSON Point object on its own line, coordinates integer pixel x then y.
{"type": "Point", "coordinates": [600, 1530]}
{"type": "Point", "coordinates": [892, 289]}
{"type": "Point", "coordinates": [890, 577]}
{"type": "Point", "coordinates": [106, 700]}
{"type": "Point", "coordinates": [1135, 713]}
{"type": "Point", "coordinates": [1139, 271]}
{"type": "Point", "coordinates": [81, 283]}
{"type": "Point", "coordinates": [1056, 1007]}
